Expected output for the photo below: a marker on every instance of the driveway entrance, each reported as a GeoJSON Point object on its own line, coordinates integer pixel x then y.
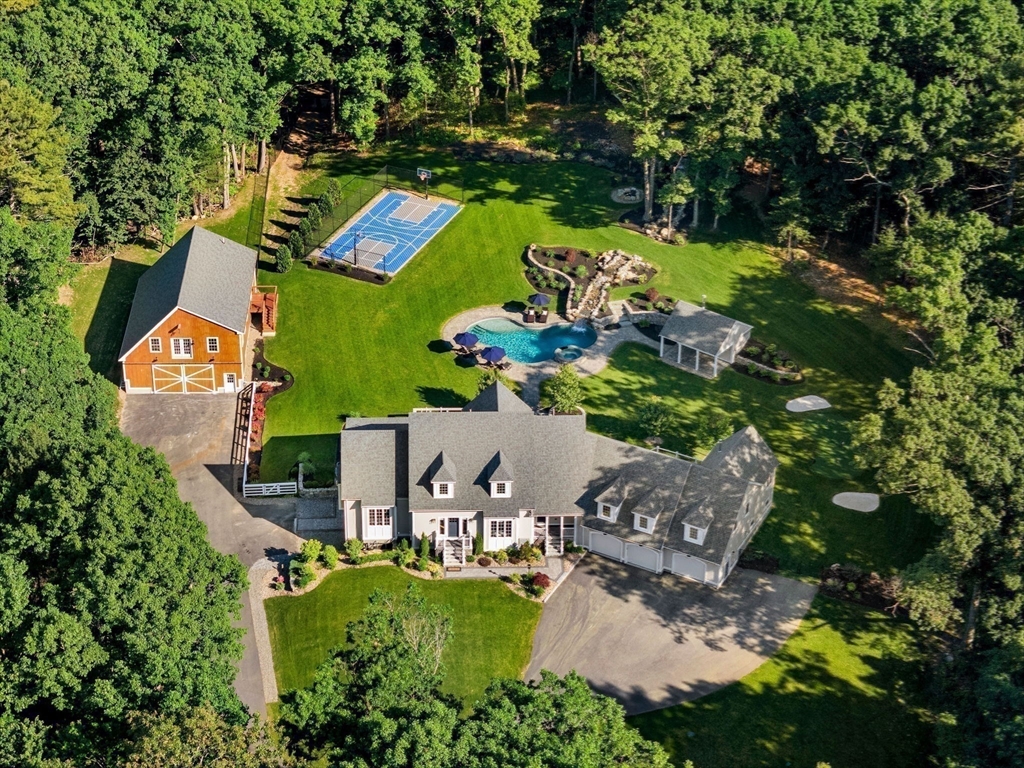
{"type": "Point", "coordinates": [652, 640]}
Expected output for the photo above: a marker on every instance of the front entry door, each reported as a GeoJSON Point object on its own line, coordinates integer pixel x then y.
{"type": "Point", "coordinates": [454, 527]}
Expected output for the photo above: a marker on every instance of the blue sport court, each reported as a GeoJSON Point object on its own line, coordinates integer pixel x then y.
{"type": "Point", "coordinates": [391, 232]}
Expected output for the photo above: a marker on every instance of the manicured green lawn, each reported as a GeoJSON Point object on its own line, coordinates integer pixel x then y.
{"type": "Point", "coordinates": [842, 690]}
{"type": "Point", "coordinates": [492, 633]}
{"type": "Point", "coordinates": [805, 529]}
{"type": "Point", "coordinates": [100, 303]}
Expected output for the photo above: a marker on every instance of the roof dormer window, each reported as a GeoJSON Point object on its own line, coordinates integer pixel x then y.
{"type": "Point", "coordinates": [443, 478]}
{"type": "Point", "coordinates": [444, 490]}
{"type": "Point", "coordinates": [694, 535]}
{"type": "Point", "coordinates": [607, 511]}
{"type": "Point", "coordinates": [501, 489]}
{"type": "Point", "coordinates": [644, 523]}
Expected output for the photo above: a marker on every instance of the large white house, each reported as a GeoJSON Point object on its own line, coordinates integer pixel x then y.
{"type": "Point", "coordinates": [498, 469]}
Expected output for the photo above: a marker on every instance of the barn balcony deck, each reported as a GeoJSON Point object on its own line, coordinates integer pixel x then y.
{"type": "Point", "coordinates": [263, 307]}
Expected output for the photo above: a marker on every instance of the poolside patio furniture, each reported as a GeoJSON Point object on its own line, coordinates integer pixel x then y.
{"type": "Point", "coordinates": [530, 316]}
{"type": "Point", "coordinates": [542, 317]}
{"type": "Point", "coordinates": [493, 355]}
{"type": "Point", "coordinates": [540, 299]}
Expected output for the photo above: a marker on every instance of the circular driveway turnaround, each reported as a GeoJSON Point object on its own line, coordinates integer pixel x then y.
{"type": "Point", "coordinates": [807, 403]}
{"type": "Point", "coordinates": [858, 502]}
{"type": "Point", "coordinates": [651, 641]}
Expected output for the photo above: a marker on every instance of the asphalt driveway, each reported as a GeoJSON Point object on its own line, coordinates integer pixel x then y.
{"type": "Point", "coordinates": [197, 434]}
{"type": "Point", "coordinates": [652, 641]}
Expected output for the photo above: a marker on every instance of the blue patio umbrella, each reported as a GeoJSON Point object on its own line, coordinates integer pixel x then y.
{"type": "Point", "coordinates": [466, 339]}
{"type": "Point", "coordinates": [493, 354]}
{"type": "Point", "coordinates": [540, 299]}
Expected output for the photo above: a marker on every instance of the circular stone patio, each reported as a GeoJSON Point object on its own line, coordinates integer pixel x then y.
{"type": "Point", "coordinates": [859, 502]}
{"type": "Point", "coordinates": [625, 195]}
{"type": "Point", "coordinates": [807, 403]}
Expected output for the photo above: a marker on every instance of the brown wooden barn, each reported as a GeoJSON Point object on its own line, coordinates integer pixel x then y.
{"type": "Point", "coordinates": [192, 321]}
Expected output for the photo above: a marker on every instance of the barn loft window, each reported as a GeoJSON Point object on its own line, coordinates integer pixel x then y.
{"type": "Point", "coordinates": [212, 344]}
{"type": "Point", "coordinates": [181, 348]}
{"type": "Point", "coordinates": [155, 345]}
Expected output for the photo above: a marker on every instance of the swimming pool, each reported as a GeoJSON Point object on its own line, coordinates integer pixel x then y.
{"type": "Point", "coordinates": [529, 345]}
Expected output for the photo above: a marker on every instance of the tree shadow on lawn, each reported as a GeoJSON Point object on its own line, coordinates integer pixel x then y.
{"type": "Point", "coordinates": [106, 329]}
{"type": "Point", "coordinates": [814, 701]}
{"type": "Point", "coordinates": [441, 397]}
{"type": "Point", "coordinates": [281, 453]}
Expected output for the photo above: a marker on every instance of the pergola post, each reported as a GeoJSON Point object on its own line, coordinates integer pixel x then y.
{"type": "Point", "coordinates": [661, 352]}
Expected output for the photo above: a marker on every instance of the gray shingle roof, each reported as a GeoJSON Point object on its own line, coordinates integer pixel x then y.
{"type": "Point", "coordinates": [204, 274]}
{"type": "Point", "coordinates": [502, 472]}
{"type": "Point", "coordinates": [700, 515]}
{"type": "Point", "coordinates": [721, 497]}
{"type": "Point", "coordinates": [443, 470]}
{"type": "Point", "coordinates": [743, 454]}
{"type": "Point", "coordinates": [642, 479]}
{"type": "Point", "coordinates": [374, 460]}
{"type": "Point", "coordinates": [700, 328]}
{"type": "Point", "coordinates": [498, 398]}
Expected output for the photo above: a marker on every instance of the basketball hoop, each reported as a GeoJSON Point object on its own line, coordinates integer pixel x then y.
{"type": "Point", "coordinates": [423, 176]}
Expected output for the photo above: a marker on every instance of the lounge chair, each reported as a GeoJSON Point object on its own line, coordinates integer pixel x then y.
{"type": "Point", "coordinates": [505, 366]}
{"type": "Point", "coordinates": [529, 317]}
{"type": "Point", "coordinates": [542, 317]}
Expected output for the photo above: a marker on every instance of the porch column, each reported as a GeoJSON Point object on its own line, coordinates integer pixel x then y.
{"type": "Point", "coordinates": [679, 353]}
{"type": "Point", "coordinates": [716, 366]}
{"type": "Point", "coordinates": [696, 365]}
{"type": "Point", "coordinates": [661, 352]}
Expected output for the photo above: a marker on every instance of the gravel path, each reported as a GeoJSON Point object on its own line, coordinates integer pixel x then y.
{"type": "Point", "coordinates": [259, 576]}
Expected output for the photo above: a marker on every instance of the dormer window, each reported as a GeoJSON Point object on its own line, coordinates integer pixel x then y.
{"type": "Point", "coordinates": [694, 535]}
{"type": "Point", "coordinates": [501, 489]}
{"type": "Point", "coordinates": [644, 523]}
{"type": "Point", "coordinates": [444, 490]}
{"type": "Point", "coordinates": [607, 511]}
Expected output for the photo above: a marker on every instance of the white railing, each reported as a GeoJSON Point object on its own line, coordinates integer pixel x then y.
{"type": "Point", "coordinates": [269, 489]}
{"type": "Point", "coordinates": [250, 490]}
{"type": "Point", "coordinates": [437, 410]}
{"type": "Point", "coordinates": [675, 454]}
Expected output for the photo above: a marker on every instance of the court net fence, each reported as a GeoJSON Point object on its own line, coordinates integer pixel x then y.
{"type": "Point", "coordinates": [359, 191]}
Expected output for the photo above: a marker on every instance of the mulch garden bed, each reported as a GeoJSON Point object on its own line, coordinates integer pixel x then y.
{"type": "Point", "coordinates": [269, 380]}
{"type": "Point", "coordinates": [651, 300]}
{"type": "Point", "coordinates": [349, 270]}
{"type": "Point", "coordinates": [850, 583]}
{"type": "Point", "coordinates": [580, 264]}
{"type": "Point", "coordinates": [756, 560]}
{"type": "Point", "coordinates": [785, 371]}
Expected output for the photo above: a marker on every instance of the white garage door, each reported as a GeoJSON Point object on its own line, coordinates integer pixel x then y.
{"type": "Point", "coordinates": [685, 565]}
{"type": "Point", "coordinates": [642, 557]}
{"type": "Point", "coordinates": [606, 545]}
{"type": "Point", "coordinates": [183, 378]}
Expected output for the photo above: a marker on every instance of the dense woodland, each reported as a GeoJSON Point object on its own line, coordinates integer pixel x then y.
{"type": "Point", "coordinates": [891, 127]}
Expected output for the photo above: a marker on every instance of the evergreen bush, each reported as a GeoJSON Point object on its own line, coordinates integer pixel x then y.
{"type": "Point", "coordinates": [283, 258]}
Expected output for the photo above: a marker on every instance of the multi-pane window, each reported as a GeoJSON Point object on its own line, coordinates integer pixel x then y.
{"type": "Point", "coordinates": [501, 488]}
{"type": "Point", "coordinates": [442, 489]}
{"type": "Point", "coordinates": [181, 347]}
{"type": "Point", "coordinates": [643, 523]}
{"type": "Point", "coordinates": [693, 534]}
{"type": "Point", "coordinates": [212, 344]}
{"type": "Point", "coordinates": [501, 529]}
{"type": "Point", "coordinates": [155, 345]}
{"type": "Point", "coordinates": [379, 516]}
{"type": "Point", "coordinates": [606, 511]}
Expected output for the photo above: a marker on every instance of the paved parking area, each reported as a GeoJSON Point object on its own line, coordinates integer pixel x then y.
{"type": "Point", "coordinates": [197, 434]}
{"type": "Point", "coordinates": [652, 641]}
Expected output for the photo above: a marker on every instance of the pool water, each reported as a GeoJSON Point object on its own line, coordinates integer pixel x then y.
{"type": "Point", "coordinates": [529, 345]}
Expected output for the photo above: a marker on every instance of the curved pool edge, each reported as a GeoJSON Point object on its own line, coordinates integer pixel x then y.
{"type": "Point", "coordinates": [568, 337]}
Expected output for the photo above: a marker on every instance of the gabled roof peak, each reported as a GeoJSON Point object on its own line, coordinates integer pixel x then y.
{"type": "Point", "coordinates": [502, 471]}
{"type": "Point", "coordinates": [498, 398]}
{"type": "Point", "coordinates": [444, 471]}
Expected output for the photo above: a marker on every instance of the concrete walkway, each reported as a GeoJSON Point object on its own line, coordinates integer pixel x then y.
{"type": "Point", "coordinates": [653, 641]}
{"type": "Point", "coordinates": [196, 433]}
{"type": "Point", "coordinates": [530, 375]}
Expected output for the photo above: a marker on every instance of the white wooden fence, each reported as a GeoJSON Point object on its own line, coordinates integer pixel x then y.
{"type": "Point", "coordinates": [250, 490]}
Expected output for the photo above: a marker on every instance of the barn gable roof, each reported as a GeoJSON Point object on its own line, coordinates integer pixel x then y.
{"type": "Point", "coordinates": [204, 274]}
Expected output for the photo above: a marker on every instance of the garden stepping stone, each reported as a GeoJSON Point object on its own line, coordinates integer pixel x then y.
{"type": "Point", "coordinates": [860, 502]}
{"type": "Point", "coordinates": [807, 403]}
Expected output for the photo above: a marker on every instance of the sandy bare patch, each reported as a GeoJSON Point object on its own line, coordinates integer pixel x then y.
{"type": "Point", "coordinates": [859, 502]}
{"type": "Point", "coordinates": [807, 403]}
{"type": "Point", "coordinates": [65, 295]}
